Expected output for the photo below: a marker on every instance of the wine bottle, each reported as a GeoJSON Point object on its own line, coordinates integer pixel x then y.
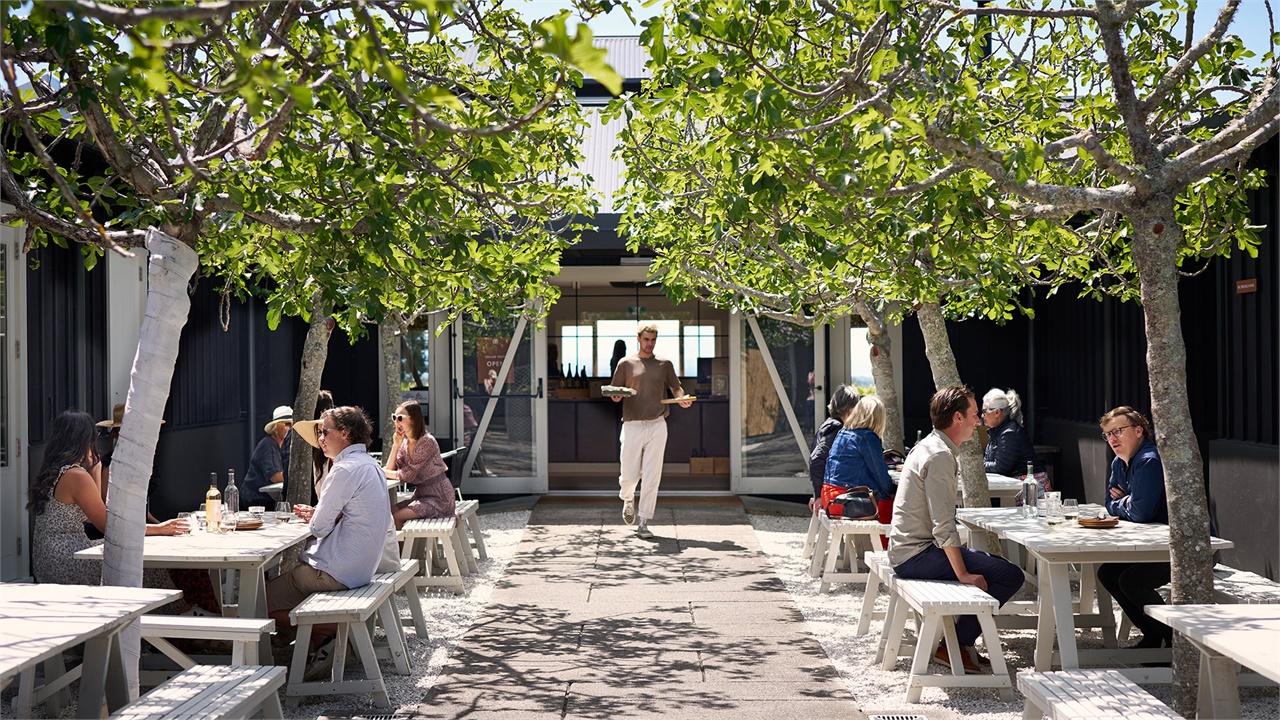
{"type": "Point", "coordinates": [213, 505]}
{"type": "Point", "coordinates": [231, 498]}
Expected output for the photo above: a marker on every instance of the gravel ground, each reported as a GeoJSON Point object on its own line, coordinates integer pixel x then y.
{"type": "Point", "coordinates": [832, 618]}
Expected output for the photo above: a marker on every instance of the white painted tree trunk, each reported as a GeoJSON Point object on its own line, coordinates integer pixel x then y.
{"type": "Point", "coordinates": [170, 267]}
{"type": "Point", "coordinates": [1154, 254]}
{"type": "Point", "coordinates": [882, 372]}
{"type": "Point", "coordinates": [942, 362]}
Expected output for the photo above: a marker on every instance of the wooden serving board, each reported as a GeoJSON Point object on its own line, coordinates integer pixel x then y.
{"type": "Point", "coordinates": [1096, 524]}
{"type": "Point", "coordinates": [676, 401]}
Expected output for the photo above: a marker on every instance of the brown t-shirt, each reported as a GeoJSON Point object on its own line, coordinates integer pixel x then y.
{"type": "Point", "coordinates": [650, 378]}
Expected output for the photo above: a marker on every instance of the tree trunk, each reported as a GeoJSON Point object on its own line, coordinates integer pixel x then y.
{"type": "Point", "coordinates": [1155, 256]}
{"type": "Point", "coordinates": [942, 362]}
{"type": "Point", "coordinates": [389, 338]}
{"type": "Point", "coordinates": [169, 268]}
{"type": "Point", "coordinates": [882, 371]}
{"type": "Point", "coordinates": [315, 351]}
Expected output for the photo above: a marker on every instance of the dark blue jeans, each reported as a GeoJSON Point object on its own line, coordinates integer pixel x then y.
{"type": "Point", "coordinates": [1003, 580]}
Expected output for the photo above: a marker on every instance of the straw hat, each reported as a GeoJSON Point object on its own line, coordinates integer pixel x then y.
{"type": "Point", "coordinates": [279, 415]}
{"type": "Point", "coordinates": [309, 431]}
{"type": "Point", "coordinates": [117, 415]}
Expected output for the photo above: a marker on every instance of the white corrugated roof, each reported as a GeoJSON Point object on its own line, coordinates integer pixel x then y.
{"type": "Point", "coordinates": [624, 54]}
{"type": "Point", "coordinates": [598, 142]}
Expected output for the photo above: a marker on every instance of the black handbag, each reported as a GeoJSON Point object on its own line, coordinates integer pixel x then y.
{"type": "Point", "coordinates": [857, 503]}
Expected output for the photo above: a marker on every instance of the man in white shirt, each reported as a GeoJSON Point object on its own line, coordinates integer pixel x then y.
{"type": "Point", "coordinates": [352, 533]}
{"type": "Point", "coordinates": [923, 540]}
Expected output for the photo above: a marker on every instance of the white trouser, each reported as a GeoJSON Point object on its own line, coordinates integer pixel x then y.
{"type": "Point", "coordinates": [643, 444]}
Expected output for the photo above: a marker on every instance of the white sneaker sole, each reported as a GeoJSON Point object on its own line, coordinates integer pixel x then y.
{"type": "Point", "coordinates": [629, 513]}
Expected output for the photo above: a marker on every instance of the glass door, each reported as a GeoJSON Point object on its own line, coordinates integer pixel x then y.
{"type": "Point", "coordinates": [778, 386]}
{"type": "Point", "coordinates": [500, 406]}
{"type": "Point", "coordinates": [13, 518]}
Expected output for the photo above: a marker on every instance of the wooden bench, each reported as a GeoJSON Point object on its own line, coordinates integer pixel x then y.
{"type": "Point", "coordinates": [244, 634]}
{"type": "Point", "coordinates": [837, 548]}
{"type": "Point", "coordinates": [469, 521]}
{"type": "Point", "coordinates": [937, 603]}
{"type": "Point", "coordinates": [423, 540]}
{"type": "Point", "coordinates": [879, 572]}
{"type": "Point", "coordinates": [1088, 695]}
{"type": "Point", "coordinates": [212, 691]}
{"type": "Point", "coordinates": [354, 611]}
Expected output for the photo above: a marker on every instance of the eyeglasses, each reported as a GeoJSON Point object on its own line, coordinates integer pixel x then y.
{"type": "Point", "coordinates": [323, 431]}
{"type": "Point", "coordinates": [989, 410]}
{"type": "Point", "coordinates": [1108, 434]}
{"type": "Point", "coordinates": [398, 418]}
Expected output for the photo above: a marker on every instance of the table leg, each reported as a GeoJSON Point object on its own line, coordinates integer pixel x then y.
{"type": "Point", "coordinates": [253, 602]}
{"type": "Point", "coordinates": [1219, 688]}
{"type": "Point", "coordinates": [1106, 610]}
{"type": "Point", "coordinates": [1060, 592]}
{"type": "Point", "coordinates": [102, 676]}
{"type": "Point", "coordinates": [1045, 625]}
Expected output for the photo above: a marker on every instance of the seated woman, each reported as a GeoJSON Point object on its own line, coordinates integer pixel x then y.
{"type": "Point", "coordinates": [66, 493]}
{"type": "Point", "coordinates": [1008, 447]}
{"type": "Point", "coordinates": [843, 399]}
{"type": "Point", "coordinates": [857, 455]}
{"type": "Point", "coordinates": [415, 459]}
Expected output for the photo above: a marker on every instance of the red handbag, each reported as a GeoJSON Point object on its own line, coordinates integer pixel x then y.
{"type": "Point", "coordinates": [855, 503]}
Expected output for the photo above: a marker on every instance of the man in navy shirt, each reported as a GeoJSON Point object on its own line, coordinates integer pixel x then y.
{"type": "Point", "coordinates": [1135, 492]}
{"type": "Point", "coordinates": [268, 463]}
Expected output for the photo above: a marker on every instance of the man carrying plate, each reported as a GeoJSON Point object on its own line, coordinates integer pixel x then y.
{"type": "Point", "coordinates": [644, 425]}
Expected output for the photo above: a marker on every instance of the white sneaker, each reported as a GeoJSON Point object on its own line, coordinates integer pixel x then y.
{"type": "Point", "coordinates": [629, 512]}
{"type": "Point", "coordinates": [643, 532]}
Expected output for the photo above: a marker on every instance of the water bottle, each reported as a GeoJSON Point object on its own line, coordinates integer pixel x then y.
{"type": "Point", "coordinates": [231, 498]}
{"type": "Point", "coordinates": [1030, 492]}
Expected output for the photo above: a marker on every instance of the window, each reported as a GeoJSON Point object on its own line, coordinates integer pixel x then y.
{"type": "Point", "coordinates": [699, 342]}
{"type": "Point", "coordinates": [611, 331]}
{"type": "Point", "coordinates": [575, 348]}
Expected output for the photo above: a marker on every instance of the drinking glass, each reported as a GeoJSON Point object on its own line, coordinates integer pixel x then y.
{"type": "Point", "coordinates": [256, 511]}
{"type": "Point", "coordinates": [284, 513]}
{"type": "Point", "coordinates": [1071, 508]}
{"type": "Point", "coordinates": [1042, 507]}
{"type": "Point", "coordinates": [227, 523]}
{"type": "Point", "coordinates": [191, 522]}
{"type": "Point", "coordinates": [1053, 513]}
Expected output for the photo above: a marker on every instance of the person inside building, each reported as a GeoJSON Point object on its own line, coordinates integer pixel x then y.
{"type": "Point", "coordinates": [843, 398]}
{"type": "Point", "coordinates": [352, 535]}
{"type": "Point", "coordinates": [415, 459]}
{"type": "Point", "coordinates": [1135, 492]}
{"type": "Point", "coordinates": [66, 493]}
{"type": "Point", "coordinates": [267, 464]}
{"type": "Point", "coordinates": [644, 426]}
{"type": "Point", "coordinates": [1008, 447]}
{"type": "Point", "coordinates": [923, 540]}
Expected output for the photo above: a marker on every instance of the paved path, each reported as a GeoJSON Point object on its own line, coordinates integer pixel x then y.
{"type": "Point", "coordinates": [592, 622]}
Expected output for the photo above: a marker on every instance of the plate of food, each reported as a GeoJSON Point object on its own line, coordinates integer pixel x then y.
{"type": "Point", "coordinates": [675, 401]}
{"type": "Point", "coordinates": [248, 524]}
{"type": "Point", "coordinates": [616, 391]}
{"type": "Point", "coordinates": [1094, 523]}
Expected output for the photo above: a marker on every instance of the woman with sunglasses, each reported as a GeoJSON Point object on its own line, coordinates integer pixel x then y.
{"type": "Point", "coordinates": [415, 459]}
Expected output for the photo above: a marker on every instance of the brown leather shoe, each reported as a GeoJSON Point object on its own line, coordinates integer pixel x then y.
{"type": "Point", "coordinates": [968, 655]}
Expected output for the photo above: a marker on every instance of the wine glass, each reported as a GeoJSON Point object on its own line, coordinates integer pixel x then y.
{"type": "Point", "coordinates": [227, 523]}
{"type": "Point", "coordinates": [191, 523]}
{"type": "Point", "coordinates": [1071, 508]}
{"type": "Point", "coordinates": [284, 513]}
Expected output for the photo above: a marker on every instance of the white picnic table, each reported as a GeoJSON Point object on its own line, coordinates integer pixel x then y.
{"type": "Point", "coordinates": [250, 552]}
{"type": "Point", "coordinates": [1226, 635]}
{"type": "Point", "coordinates": [38, 622]}
{"type": "Point", "coordinates": [1055, 550]}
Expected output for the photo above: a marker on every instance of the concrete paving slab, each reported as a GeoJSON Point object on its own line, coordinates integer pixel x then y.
{"type": "Point", "coordinates": [593, 622]}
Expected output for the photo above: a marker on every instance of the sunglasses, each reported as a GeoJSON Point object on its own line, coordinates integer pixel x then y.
{"type": "Point", "coordinates": [323, 431]}
{"type": "Point", "coordinates": [398, 418]}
